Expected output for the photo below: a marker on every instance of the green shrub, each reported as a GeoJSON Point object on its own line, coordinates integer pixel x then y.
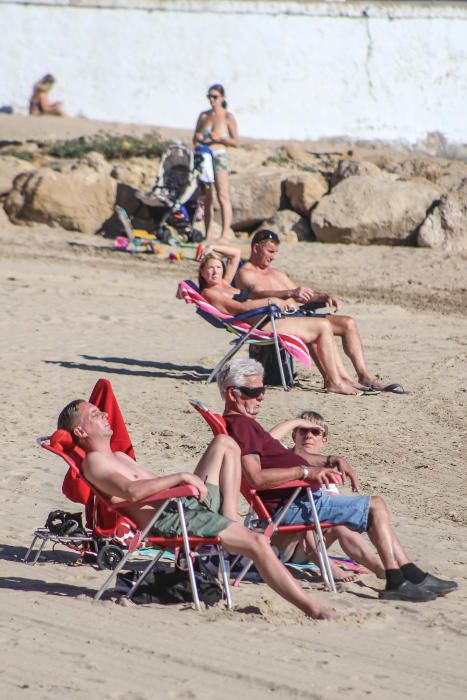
{"type": "Point", "coordinates": [111, 147]}
{"type": "Point", "coordinates": [21, 155]}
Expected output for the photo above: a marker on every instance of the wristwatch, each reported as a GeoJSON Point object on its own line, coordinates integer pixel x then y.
{"type": "Point", "coordinates": [305, 473]}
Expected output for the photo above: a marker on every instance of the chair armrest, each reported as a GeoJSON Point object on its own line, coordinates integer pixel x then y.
{"type": "Point", "coordinates": [314, 485]}
{"type": "Point", "coordinates": [264, 310]}
{"type": "Point", "coordinates": [184, 491]}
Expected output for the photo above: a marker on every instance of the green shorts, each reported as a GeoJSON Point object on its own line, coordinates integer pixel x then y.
{"type": "Point", "coordinates": [202, 519]}
{"type": "Point", "coordinates": [220, 162]}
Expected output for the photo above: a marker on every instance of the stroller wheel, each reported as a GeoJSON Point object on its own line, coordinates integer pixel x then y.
{"type": "Point", "coordinates": [195, 236]}
{"type": "Point", "coordinates": [163, 234]}
{"type": "Point", "coordinates": [109, 556]}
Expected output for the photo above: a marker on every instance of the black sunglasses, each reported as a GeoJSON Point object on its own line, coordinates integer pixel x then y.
{"type": "Point", "coordinates": [212, 97]}
{"type": "Point", "coordinates": [252, 391]}
{"type": "Point", "coordinates": [265, 236]}
{"type": "Point", "coordinates": [314, 431]}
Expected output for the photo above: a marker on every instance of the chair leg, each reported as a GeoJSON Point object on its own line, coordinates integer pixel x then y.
{"type": "Point", "coordinates": [145, 573]}
{"type": "Point", "coordinates": [224, 570]}
{"type": "Point", "coordinates": [189, 560]}
{"type": "Point", "coordinates": [321, 546]}
{"type": "Point", "coordinates": [113, 575]}
{"type": "Point", "coordinates": [243, 573]}
{"type": "Point", "coordinates": [222, 362]}
{"type": "Point", "coordinates": [239, 343]}
{"type": "Point", "coordinates": [38, 553]}
{"type": "Point", "coordinates": [278, 353]}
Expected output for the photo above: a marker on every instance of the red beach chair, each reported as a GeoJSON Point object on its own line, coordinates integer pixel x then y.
{"type": "Point", "coordinates": [247, 334]}
{"type": "Point", "coordinates": [272, 525]}
{"type": "Point", "coordinates": [106, 518]}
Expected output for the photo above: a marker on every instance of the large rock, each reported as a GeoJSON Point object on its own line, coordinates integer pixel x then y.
{"type": "Point", "coordinates": [365, 210]}
{"type": "Point", "coordinates": [350, 168]}
{"type": "Point", "coordinates": [140, 173]}
{"type": "Point", "coordinates": [445, 227]}
{"type": "Point", "coordinates": [255, 197]}
{"type": "Point", "coordinates": [10, 168]}
{"type": "Point", "coordinates": [304, 190]}
{"type": "Point", "coordinates": [79, 199]}
{"type": "Point", "coordinates": [290, 226]}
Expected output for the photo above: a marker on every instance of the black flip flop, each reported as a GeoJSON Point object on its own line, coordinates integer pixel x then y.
{"type": "Point", "coordinates": [396, 389]}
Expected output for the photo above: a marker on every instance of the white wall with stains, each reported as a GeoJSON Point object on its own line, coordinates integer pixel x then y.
{"type": "Point", "coordinates": [388, 70]}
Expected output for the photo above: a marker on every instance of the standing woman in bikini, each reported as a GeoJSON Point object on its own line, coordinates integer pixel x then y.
{"type": "Point", "coordinates": [215, 129]}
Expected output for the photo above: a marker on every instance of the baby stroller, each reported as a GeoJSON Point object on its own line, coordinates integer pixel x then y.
{"type": "Point", "coordinates": [174, 201]}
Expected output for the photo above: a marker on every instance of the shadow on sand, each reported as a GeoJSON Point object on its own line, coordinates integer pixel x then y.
{"type": "Point", "coordinates": [165, 370]}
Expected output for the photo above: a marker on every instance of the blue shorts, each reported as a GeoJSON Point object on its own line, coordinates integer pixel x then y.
{"type": "Point", "coordinates": [339, 510]}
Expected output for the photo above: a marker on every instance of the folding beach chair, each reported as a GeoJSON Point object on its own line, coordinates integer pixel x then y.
{"type": "Point", "coordinates": [271, 525]}
{"type": "Point", "coordinates": [104, 535]}
{"type": "Point", "coordinates": [247, 334]}
{"type": "Point", "coordinates": [111, 515]}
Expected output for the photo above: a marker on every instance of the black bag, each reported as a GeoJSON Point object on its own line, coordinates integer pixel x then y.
{"type": "Point", "coordinates": [64, 524]}
{"type": "Point", "coordinates": [266, 354]}
{"type": "Point", "coordinates": [172, 587]}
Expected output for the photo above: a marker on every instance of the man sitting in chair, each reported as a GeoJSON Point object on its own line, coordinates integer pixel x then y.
{"type": "Point", "coordinates": [217, 478]}
{"type": "Point", "coordinates": [267, 463]}
{"type": "Point", "coordinates": [258, 277]}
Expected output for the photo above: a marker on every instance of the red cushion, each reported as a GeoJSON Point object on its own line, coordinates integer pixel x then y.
{"type": "Point", "coordinates": [62, 439]}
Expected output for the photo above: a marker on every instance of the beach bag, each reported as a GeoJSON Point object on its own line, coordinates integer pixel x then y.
{"type": "Point", "coordinates": [64, 524]}
{"type": "Point", "coordinates": [266, 355]}
{"type": "Point", "coordinates": [172, 587]}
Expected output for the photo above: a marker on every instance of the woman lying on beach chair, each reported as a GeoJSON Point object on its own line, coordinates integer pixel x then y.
{"type": "Point", "coordinates": [215, 279]}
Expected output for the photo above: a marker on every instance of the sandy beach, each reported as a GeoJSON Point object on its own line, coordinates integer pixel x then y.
{"type": "Point", "coordinates": [74, 310]}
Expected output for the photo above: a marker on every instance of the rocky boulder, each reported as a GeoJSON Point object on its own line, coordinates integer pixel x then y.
{"type": "Point", "coordinates": [79, 199]}
{"type": "Point", "coordinates": [140, 173]}
{"type": "Point", "coordinates": [350, 168]}
{"type": "Point", "coordinates": [364, 209]}
{"type": "Point", "coordinates": [255, 197]}
{"type": "Point", "coordinates": [445, 227]}
{"type": "Point", "coordinates": [10, 168]}
{"type": "Point", "coordinates": [304, 190]}
{"type": "Point", "coordinates": [290, 226]}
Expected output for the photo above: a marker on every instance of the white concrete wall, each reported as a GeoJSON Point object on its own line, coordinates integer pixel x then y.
{"type": "Point", "coordinates": [291, 69]}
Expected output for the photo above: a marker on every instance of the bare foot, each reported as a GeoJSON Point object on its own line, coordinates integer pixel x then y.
{"type": "Point", "coordinates": [342, 575]}
{"type": "Point", "coordinates": [368, 380]}
{"type": "Point", "coordinates": [342, 388]}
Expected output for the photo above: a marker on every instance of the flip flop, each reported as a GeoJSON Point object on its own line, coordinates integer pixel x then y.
{"type": "Point", "coordinates": [370, 391]}
{"type": "Point", "coordinates": [396, 389]}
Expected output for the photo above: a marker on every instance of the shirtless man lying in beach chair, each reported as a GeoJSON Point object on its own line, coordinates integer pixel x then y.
{"type": "Point", "coordinates": [257, 276]}
{"type": "Point", "coordinates": [218, 472]}
{"type": "Point", "coordinates": [267, 463]}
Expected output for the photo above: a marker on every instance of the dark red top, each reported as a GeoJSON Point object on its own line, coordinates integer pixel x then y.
{"type": "Point", "coordinates": [253, 439]}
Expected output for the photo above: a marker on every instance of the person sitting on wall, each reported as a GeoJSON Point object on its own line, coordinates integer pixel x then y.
{"type": "Point", "coordinates": [39, 103]}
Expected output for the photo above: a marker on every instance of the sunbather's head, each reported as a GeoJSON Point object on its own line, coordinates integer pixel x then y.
{"type": "Point", "coordinates": [217, 92]}
{"type": "Point", "coordinates": [311, 439]}
{"type": "Point", "coordinates": [264, 248]}
{"type": "Point", "coordinates": [84, 421]}
{"type": "Point", "coordinates": [241, 384]}
{"type": "Point", "coordinates": [211, 270]}
{"type": "Point", "coordinates": [45, 83]}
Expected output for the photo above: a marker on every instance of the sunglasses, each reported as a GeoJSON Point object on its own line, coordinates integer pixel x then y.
{"type": "Point", "coordinates": [251, 391]}
{"type": "Point", "coordinates": [314, 431]}
{"type": "Point", "coordinates": [265, 236]}
{"type": "Point", "coordinates": [212, 97]}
